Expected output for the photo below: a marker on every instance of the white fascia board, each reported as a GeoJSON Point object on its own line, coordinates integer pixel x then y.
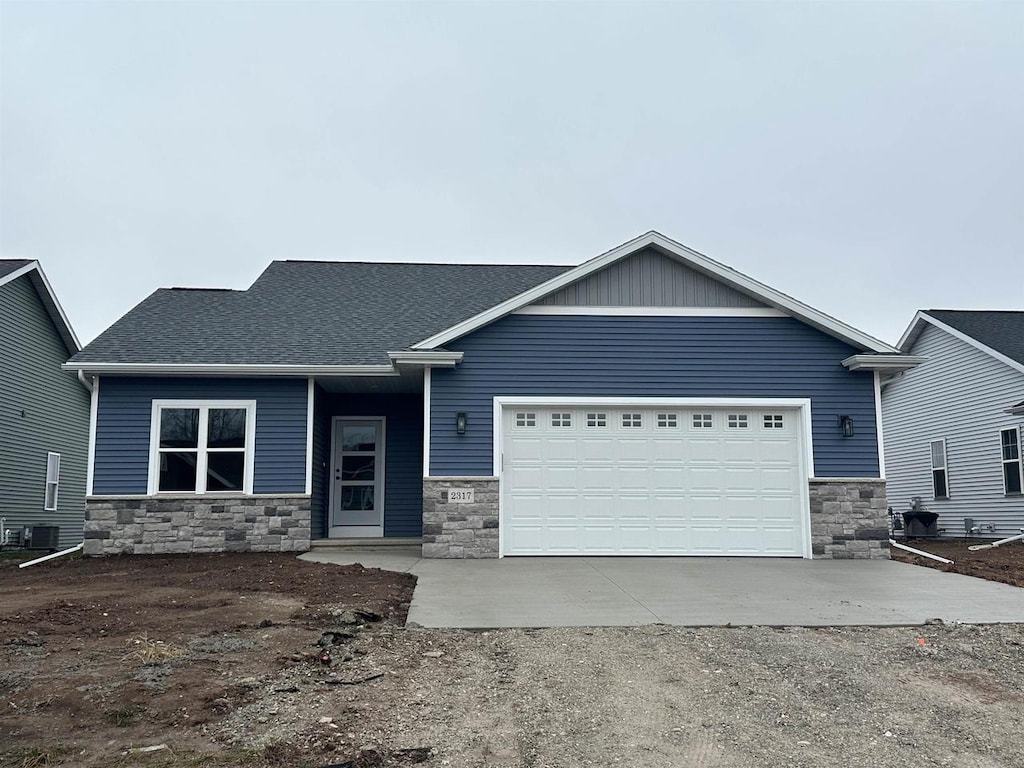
{"type": "Point", "coordinates": [61, 318]}
{"type": "Point", "coordinates": [888, 363]}
{"type": "Point", "coordinates": [702, 263]}
{"type": "Point", "coordinates": [926, 318]}
{"type": "Point", "coordinates": [435, 358]}
{"type": "Point", "coordinates": [913, 331]}
{"type": "Point", "coordinates": [12, 276]}
{"type": "Point", "coordinates": [551, 309]}
{"type": "Point", "coordinates": [218, 369]}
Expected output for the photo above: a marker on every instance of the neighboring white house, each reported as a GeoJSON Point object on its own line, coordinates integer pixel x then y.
{"type": "Point", "coordinates": [954, 425]}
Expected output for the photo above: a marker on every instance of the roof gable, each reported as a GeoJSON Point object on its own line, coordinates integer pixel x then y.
{"type": "Point", "coordinates": [688, 257]}
{"type": "Point", "coordinates": [649, 278]}
{"type": "Point", "coordinates": [998, 333]}
{"type": "Point", "coordinates": [12, 269]}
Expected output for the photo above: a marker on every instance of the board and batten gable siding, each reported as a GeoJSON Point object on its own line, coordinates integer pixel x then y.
{"type": "Point", "coordinates": [403, 456]}
{"type": "Point", "coordinates": [42, 409]}
{"type": "Point", "coordinates": [960, 394]}
{"type": "Point", "coordinates": [648, 278]}
{"type": "Point", "coordinates": [124, 413]}
{"type": "Point", "coordinates": [592, 356]}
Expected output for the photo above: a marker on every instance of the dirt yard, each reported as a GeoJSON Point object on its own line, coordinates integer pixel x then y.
{"type": "Point", "coordinates": [1005, 563]}
{"type": "Point", "coordinates": [217, 660]}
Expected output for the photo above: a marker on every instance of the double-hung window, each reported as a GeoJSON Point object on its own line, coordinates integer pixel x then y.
{"type": "Point", "coordinates": [52, 482]}
{"type": "Point", "coordinates": [940, 481]}
{"type": "Point", "coordinates": [202, 446]}
{"type": "Point", "coordinates": [1009, 441]}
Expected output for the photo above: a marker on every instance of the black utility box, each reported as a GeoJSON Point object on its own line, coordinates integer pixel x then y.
{"type": "Point", "coordinates": [43, 537]}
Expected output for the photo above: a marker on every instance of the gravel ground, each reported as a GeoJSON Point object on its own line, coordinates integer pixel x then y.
{"type": "Point", "coordinates": [660, 696]}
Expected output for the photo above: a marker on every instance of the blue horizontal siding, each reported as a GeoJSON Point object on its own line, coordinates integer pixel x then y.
{"type": "Point", "coordinates": [536, 355]}
{"type": "Point", "coordinates": [123, 428]}
{"type": "Point", "coordinates": [403, 456]}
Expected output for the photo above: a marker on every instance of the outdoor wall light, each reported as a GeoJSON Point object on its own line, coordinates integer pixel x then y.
{"type": "Point", "coordinates": [846, 425]}
{"type": "Point", "coordinates": [460, 423]}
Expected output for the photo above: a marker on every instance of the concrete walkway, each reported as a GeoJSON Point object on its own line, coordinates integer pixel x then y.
{"type": "Point", "coordinates": [626, 591]}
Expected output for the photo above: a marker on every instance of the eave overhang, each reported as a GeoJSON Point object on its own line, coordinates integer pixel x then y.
{"type": "Point", "coordinates": [427, 359]}
{"type": "Point", "coordinates": [883, 363]}
{"type": "Point", "coordinates": [435, 359]}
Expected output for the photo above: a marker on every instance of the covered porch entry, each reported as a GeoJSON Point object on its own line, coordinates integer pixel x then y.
{"type": "Point", "coordinates": [367, 450]}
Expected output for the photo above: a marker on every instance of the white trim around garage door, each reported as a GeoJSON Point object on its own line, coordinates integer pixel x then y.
{"type": "Point", "coordinates": [801, 404]}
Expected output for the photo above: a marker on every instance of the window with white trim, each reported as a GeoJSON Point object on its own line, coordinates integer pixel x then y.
{"type": "Point", "coordinates": [1013, 464]}
{"type": "Point", "coordinates": [940, 478]}
{"type": "Point", "coordinates": [773, 421]}
{"type": "Point", "coordinates": [668, 420]}
{"type": "Point", "coordinates": [203, 446]}
{"type": "Point", "coordinates": [737, 421]}
{"type": "Point", "coordinates": [597, 419]}
{"type": "Point", "coordinates": [561, 419]}
{"type": "Point", "coordinates": [631, 420]}
{"type": "Point", "coordinates": [526, 419]}
{"type": "Point", "coordinates": [703, 421]}
{"type": "Point", "coordinates": [52, 482]}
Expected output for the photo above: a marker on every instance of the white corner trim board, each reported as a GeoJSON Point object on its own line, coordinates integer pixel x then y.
{"type": "Point", "coordinates": [878, 424]}
{"type": "Point", "coordinates": [426, 422]}
{"type": "Point", "coordinates": [94, 409]}
{"type": "Point", "coordinates": [688, 256]}
{"type": "Point", "coordinates": [310, 391]}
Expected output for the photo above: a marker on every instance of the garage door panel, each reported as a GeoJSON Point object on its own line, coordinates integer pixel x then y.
{"type": "Point", "coordinates": [599, 507]}
{"type": "Point", "coordinates": [606, 486]}
{"type": "Point", "coordinates": [634, 539]}
{"type": "Point", "coordinates": [599, 539]}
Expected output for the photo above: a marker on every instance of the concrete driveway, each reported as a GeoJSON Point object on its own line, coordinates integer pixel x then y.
{"type": "Point", "coordinates": [627, 591]}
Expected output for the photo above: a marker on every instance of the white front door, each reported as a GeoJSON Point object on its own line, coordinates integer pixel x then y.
{"type": "Point", "coordinates": [662, 480]}
{"type": "Point", "coordinates": [357, 471]}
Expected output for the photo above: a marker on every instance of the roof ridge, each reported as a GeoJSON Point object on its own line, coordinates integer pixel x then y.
{"type": "Point", "coordinates": [419, 263]}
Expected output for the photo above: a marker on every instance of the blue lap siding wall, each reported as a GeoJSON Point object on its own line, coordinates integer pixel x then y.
{"type": "Point", "coordinates": [584, 356]}
{"type": "Point", "coordinates": [403, 457]}
{"type": "Point", "coordinates": [125, 411]}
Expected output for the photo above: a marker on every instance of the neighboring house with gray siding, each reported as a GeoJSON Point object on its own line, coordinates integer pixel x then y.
{"type": "Point", "coordinates": [648, 401]}
{"type": "Point", "coordinates": [44, 410]}
{"type": "Point", "coordinates": [954, 424]}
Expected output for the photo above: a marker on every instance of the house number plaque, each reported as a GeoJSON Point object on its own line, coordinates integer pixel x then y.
{"type": "Point", "coordinates": [460, 495]}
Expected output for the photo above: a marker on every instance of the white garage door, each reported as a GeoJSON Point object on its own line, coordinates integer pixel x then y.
{"type": "Point", "coordinates": [626, 480]}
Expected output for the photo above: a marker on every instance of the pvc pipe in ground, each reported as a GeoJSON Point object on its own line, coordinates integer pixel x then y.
{"type": "Point", "coordinates": [976, 547]}
{"type": "Point", "coordinates": [893, 543]}
{"type": "Point", "coordinates": [52, 555]}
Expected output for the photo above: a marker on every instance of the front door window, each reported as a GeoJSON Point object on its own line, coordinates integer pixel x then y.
{"type": "Point", "coordinates": [358, 458]}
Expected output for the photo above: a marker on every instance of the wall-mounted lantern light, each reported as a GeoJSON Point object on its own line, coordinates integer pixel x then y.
{"type": "Point", "coordinates": [460, 423]}
{"type": "Point", "coordinates": [846, 425]}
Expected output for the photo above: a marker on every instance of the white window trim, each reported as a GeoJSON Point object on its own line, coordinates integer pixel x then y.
{"type": "Point", "coordinates": [1019, 461]}
{"type": "Point", "coordinates": [944, 468]}
{"type": "Point", "coordinates": [52, 461]}
{"type": "Point", "coordinates": [202, 405]}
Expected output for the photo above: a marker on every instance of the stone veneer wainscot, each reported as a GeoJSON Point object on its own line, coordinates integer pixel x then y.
{"type": "Point", "coordinates": [849, 518]}
{"type": "Point", "coordinates": [460, 530]}
{"type": "Point", "coordinates": [152, 525]}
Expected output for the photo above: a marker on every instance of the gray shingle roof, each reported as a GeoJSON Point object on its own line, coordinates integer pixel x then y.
{"type": "Point", "coordinates": [12, 265]}
{"type": "Point", "coordinates": [310, 313]}
{"type": "Point", "coordinates": [1002, 331]}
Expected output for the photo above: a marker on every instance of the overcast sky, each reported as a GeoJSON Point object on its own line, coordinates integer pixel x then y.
{"type": "Point", "coordinates": [866, 158]}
